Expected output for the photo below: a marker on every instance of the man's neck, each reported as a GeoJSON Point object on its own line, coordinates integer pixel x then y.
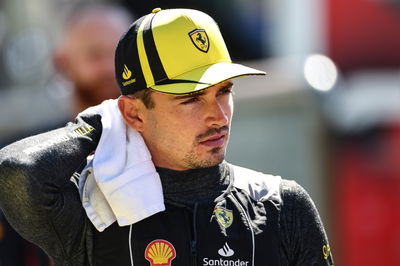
{"type": "Point", "coordinates": [195, 185]}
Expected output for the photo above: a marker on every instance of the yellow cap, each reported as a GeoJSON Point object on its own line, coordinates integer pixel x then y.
{"type": "Point", "coordinates": [175, 51]}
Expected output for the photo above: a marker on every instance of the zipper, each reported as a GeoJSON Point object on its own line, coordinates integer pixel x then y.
{"type": "Point", "coordinates": [251, 228]}
{"type": "Point", "coordinates": [193, 241]}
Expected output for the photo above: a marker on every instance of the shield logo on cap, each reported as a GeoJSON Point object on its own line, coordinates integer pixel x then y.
{"type": "Point", "coordinates": [200, 39]}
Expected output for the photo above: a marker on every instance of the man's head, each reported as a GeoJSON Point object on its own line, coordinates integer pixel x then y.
{"type": "Point", "coordinates": [85, 55]}
{"type": "Point", "coordinates": [183, 131]}
{"type": "Point", "coordinates": [175, 72]}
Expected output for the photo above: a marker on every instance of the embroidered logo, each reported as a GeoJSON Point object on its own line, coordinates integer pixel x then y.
{"type": "Point", "coordinates": [200, 39]}
{"type": "Point", "coordinates": [127, 73]}
{"type": "Point", "coordinates": [84, 130]}
{"type": "Point", "coordinates": [224, 216]}
{"type": "Point", "coordinates": [226, 251]}
{"type": "Point", "coordinates": [326, 250]}
{"type": "Point", "coordinates": [160, 253]}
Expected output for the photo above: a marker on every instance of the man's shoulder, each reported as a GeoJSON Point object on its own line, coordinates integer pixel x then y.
{"type": "Point", "coordinates": [258, 185]}
{"type": "Point", "coordinates": [294, 195]}
{"type": "Point", "coordinates": [261, 186]}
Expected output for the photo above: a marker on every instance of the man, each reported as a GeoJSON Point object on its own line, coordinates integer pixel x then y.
{"type": "Point", "coordinates": [85, 58]}
{"type": "Point", "coordinates": [85, 55]}
{"type": "Point", "coordinates": [175, 75]}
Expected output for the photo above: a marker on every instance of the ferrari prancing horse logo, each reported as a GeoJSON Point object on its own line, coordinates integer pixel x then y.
{"type": "Point", "coordinates": [224, 216]}
{"type": "Point", "coordinates": [200, 39]}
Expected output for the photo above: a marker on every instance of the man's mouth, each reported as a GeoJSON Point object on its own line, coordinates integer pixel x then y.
{"type": "Point", "coordinates": [214, 140]}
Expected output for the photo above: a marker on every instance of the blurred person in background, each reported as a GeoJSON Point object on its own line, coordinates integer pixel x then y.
{"type": "Point", "coordinates": [85, 58]}
{"type": "Point", "coordinates": [85, 55]}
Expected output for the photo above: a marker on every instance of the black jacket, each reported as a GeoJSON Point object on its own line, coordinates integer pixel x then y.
{"type": "Point", "coordinates": [257, 219]}
{"type": "Point", "coordinates": [239, 227]}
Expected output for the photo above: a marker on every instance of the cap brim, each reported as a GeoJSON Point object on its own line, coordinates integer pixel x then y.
{"type": "Point", "coordinates": [203, 77]}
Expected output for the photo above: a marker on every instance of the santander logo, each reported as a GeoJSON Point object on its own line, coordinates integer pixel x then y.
{"type": "Point", "coordinates": [226, 251]}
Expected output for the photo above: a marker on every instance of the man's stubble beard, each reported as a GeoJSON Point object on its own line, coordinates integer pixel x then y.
{"type": "Point", "coordinates": [193, 162]}
{"type": "Point", "coordinates": [217, 153]}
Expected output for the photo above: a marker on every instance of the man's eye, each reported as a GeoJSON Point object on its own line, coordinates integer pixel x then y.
{"type": "Point", "coordinates": [190, 100]}
{"type": "Point", "coordinates": [227, 91]}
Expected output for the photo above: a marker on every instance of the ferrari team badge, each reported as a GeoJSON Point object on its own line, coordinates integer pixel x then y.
{"type": "Point", "coordinates": [200, 39]}
{"type": "Point", "coordinates": [224, 216]}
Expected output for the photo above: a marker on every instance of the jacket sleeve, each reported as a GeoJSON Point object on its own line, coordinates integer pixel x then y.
{"type": "Point", "coordinates": [36, 194]}
{"type": "Point", "coordinates": [303, 236]}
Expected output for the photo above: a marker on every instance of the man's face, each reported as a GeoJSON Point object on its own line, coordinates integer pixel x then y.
{"type": "Point", "coordinates": [189, 131]}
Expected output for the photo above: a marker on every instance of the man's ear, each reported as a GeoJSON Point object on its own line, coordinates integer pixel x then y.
{"type": "Point", "coordinates": [130, 111]}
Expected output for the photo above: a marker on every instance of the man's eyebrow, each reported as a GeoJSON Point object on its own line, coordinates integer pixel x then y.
{"type": "Point", "coordinates": [199, 93]}
{"type": "Point", "coordinates": [189, 95]}
{"type": "Point", "coordinates": [227, 86]}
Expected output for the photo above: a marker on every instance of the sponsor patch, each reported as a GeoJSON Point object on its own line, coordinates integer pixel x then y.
{"type": "Point", "coordinates": [76, 133]}
{"type": "Point", "coordinates": [160, 253]}
{"type": "Point", "coordinates": [222, 262]}
{"type": "Point", "coordinates": [224, 216]}
{"type": "Point", "coordinates": [326, 250]}
{"type": "Point", "coordinates": [226, 251]}
{"type": "Point", "coordinates": [127, 74]}
{"type": "Point", "coordinates": [200, 39]}
{"type": "Point", "coordinates": [84, 130]}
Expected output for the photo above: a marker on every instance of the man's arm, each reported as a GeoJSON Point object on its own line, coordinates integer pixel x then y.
{"type": "Point", "coordinates": [36, 194]}
{"type": "Point", "coordinates": [304, 241]}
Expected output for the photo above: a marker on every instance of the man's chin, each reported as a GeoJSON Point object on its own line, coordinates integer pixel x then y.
{"type": "Point", "coordinates": [216, 157]}
{"type": "Point", "coordinates": [213, 158]}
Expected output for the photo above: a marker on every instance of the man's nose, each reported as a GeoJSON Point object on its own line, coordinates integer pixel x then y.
{"type": "Point", "coordinates": [218, 114]}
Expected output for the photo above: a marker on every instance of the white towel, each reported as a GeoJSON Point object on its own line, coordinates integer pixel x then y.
{"type": "Point", "coordinates": [120, 183]}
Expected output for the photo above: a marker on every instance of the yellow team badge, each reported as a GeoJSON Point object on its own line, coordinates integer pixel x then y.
{"type": "Point", "coordinates": [326, 250]}
{"type": "Point", "coordinates": [160, 253]}
{"type": "Point", "coordinates": [127, 73]}
{"type": "Point", "coordinates": [200, 39]}
{"type": "Point", "coordinates": [224, 216]}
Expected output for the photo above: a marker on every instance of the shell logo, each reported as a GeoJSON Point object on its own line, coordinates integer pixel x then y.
{"type": "Point", "coordinates": [160, 253]}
